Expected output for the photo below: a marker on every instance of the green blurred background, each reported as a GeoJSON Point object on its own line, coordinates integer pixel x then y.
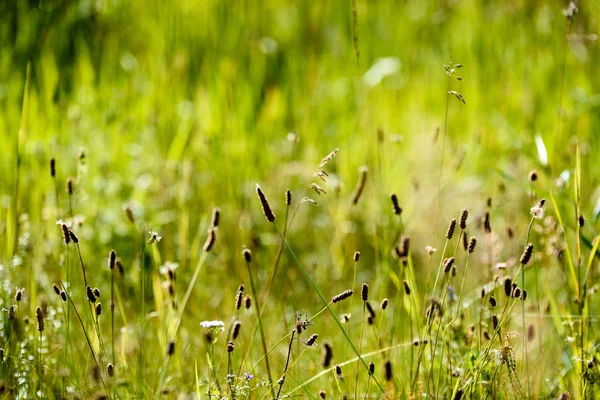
{"type": "Point", "coordinates": [180, 106]}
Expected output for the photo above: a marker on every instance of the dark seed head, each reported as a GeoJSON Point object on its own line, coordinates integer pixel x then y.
{"type": "Point", "coordinates": [364, 292]}
{"type": "Point", "coordinates": [406, 287]}
{"type": "Point", "coordinates": [312, 339]}
{"type": "Point", "coordinates": [448, 263]}
{"type": "Point", "coordinates": [74, 237]}
{"type": "Point", "coordinates": [230, 347]}
{"type": "Point", "coordinates": [493, 302]}
{"type": "Point", "coordinates": [19, 295]}
{"type": "Point", "coordinates": [216, 214]}
{"type": "Point", "coordinates": [508, 287]}
{"type": "Point", "coordinates": [248, 302]}
{"type": "Point", "coordinates": [451, 228]}
{"type": "Point", "coordinates": [487, 227]}
{"type": "Point", "coordinates": [495, 322]}
{"type": "Point", "coordinates": [90, 294]}
{"type": "Point", "coordinates": [464, 214]}
{"type": "Point", "coordinates": [384, 304]}
{"type": "Point", "coordinates": [171, 348]}
{"type": "Point", "coordinates": [371, 368]}
{"type": "Point", "coordinates": [97, 292]}
{"type": "Point", "coordinates": [530, 333]}
{"type": "Point", "coordinates": [129, 213]}
{"type": "Point", "coordinates": [98, 309]}
{"type": "Point", "coordinates": [459, 394]}
{"type": "Point", "coordinates": [527, 254]}
{"type": "Point", "coordinates": [342, 296]}
{"type": "Point", "coordinates": [356, 256]}
{"type": "Point", "coordinates": [247, 255]}
{"type": "Point", "coordinates": [70, 186]}
{"type": "Point", "coordinates": [322, 394]}
{"type": "Point", "coordinates": [112, 259]}
{"type": "Point", "coordinates": [110, 370]}
{"type": "Point", "coordinates": [389, 374]}
{"type": "Point", "coordinates": [210, 240]}
{"type": "Point", "coordinates": [472, 244]}
{"type": "Point", "coordinates": [327, 354]}
{"type": "Point", "coordinates": [524, 294]}
{"type": "Point", "coordinates": [580, 221]}
{"type": "Point", "coordinates": [288, 197]}
{"type": "Point", "coordinates": [267, 211]}
{"type": "Point", "coordinates": [119, 264]}
{"type": "Point", "coordinates": [39, 314]}
{"type": "Point", "coordinates": [533, 176]}
{"type": "Point", "coordinates": [517, 292]}
{"type": "Point", "coordinates": [65, 231]}
{"type": "Point", "coordinates": [236, 329]}
{"type": "Point", "coordinates": [338, 372]}
{"type": "Point", "coordinates": [56, 289]}
{"type": "Point", "coordinates": [370, 309]}
{"type": "Point", "coordinates": [63, 295]}
{"type": "Point", "coordinates": [395, 205]}
{"type": "Point", "coordinates": [52, 167]}
{"type": "Point", "coordinates": [238, 297]}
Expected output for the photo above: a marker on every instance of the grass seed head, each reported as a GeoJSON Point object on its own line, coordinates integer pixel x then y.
{"type": "Point", "coordinates": [364, 292]}
{"type": "Point", "coordinates": [406, 287]}
{"type": "Point", "coordinates": [526, 254]}
{"type": "Point", "coordinates": [112, 259]}
{"type": "Point", "coordinates": [236, 329]}
{"type": "Point", "coordinates": [508, 287]}
{"type": "Point", "coordinates": [171, 348]}
{"type": "Point", "coordinates": [70, 186]}
{"type": "Point", "coordinates": [65, 232]}
{"type": "Point", "coordinates": [356, 256]}
{"type": "Point", "coordinates": [487, 227]}
{"type": "Point", "coordinates": [230, 347]}
{"type": "Point", "coordinates": [247, 255]}
{"type": "Point", "coordinates": [395, 205]}
{"type": "Point", "coordinates": [110, 370]}
{"type": "Point", "coordinates": [210, 240]}
{"type": "Point", "coordinates": [384, 304]}
{"type": "Point", "coordinates": [73, 236]}
{"type": "Point", "coordinates": [53, 168]}
{"type": "Point", "coordinates": [451, 228]}
{"type": "Point", "coordinates": [472, 244]}
{"type": "Point", "coordinates": [56, 289]}
{"type": "Point", "coordinates": [267, 211]}
{"type": "Point", "coordinates": [312, 340]}
{"type": "Point", "coordinates": [342, 296]}
{"type": "Point", "coordinates": [448, 263]}
{"type": "Point", "coordinates": [360, 185]}
{"type": "Point", "coordinates": [216, 215]}
{"type": "Point", "coordinates": [63, 295]}
{"type": "Point", "coordinates": [248, 302]}
{"type": "Point", "coordinates": [39, 314]}
{"type": "Point", "coordinates": [389, 374]}
{"type": "Point", "coordinates": [327, 354]}
{"type": "Point", "coordinates": [464, 214]}
{"type": "Point", "coordinates": [98, 309]}
{"type": "Point", "coordinates": [288, 197]}
{"type": "Point", "coordinates": [90, 294]}
{"type": "Point", "coordinates": [371, 368]}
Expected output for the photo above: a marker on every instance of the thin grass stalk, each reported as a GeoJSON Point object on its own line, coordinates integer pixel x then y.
{"type": "Point", "coordinates": [287, 362]}
{"type": "Point", "coordinates": [362, 327]}
{"type": "Point", "coordinates": [314, 286]}
{"type": "Point", "coordinates": [428, 324]}
{"type": "Point", "coordinates": [260, 322]}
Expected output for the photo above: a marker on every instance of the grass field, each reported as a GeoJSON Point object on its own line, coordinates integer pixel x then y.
{"type": "Point", "coordinates": [189, 189]}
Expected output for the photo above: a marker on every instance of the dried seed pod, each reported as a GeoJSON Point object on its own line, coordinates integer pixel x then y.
{"type": "Point", "coordinates": [97, 292]}
{"type": "Point", "coordinates": [238, 297]}
{"type": "Point", "coordinates": [448, 263]}
{"type": "Point", "coordinates": [98, 309]}
{"type": "Point", "coordinates": [171, 348]}
{"type": "Point", "coordinates": [288, 197]}
{"type": "Point", "coordinates": [356, 256]}
{"type": "Point", "coordinates": [495, 322]}
{"type": "Point", "coordinates": [63, 295]}
{"type": "Point", "coordinates": [248, 302]}
{"type": "Point", "coordinates": [230, 347]}
{"type": "Point", "coordinates": [493, 302]}
{"type": "Point", "coordinates": [110, 370]}
{"type": "Point", "coordinates": [56, 289]}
